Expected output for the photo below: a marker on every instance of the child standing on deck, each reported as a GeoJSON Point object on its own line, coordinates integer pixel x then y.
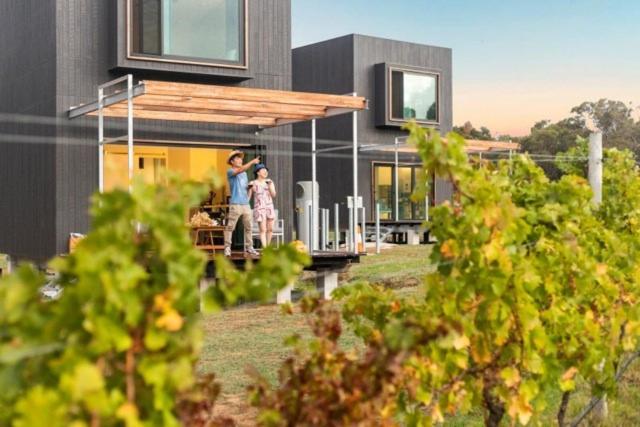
{"type": "Point", "coordinates": [263, 191]}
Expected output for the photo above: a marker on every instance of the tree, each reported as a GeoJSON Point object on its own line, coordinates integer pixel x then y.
{"type": "Point", "coordinates": [615, 120]}
{"type": "Point", "coordinates": [469, 132]}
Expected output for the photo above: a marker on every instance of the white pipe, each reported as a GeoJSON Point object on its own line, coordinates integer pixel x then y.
{"type": "Point", "coordinates": [313, 184]}
{"type": "Point", "coordinates": [130, 152]}
{"type": "Point", "coordinates": [336, 222]}
{"type": "Point", "coordinates": [396, 185]}
{"type": "Point", "coordinates": [377, 228]}
{"type": "Point", "coordinates": [355, 178]}
{"type": "Point", "coordinates": [100, 140]}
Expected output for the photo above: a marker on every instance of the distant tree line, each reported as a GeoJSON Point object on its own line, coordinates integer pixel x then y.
{"type": "Point", "coordinates": [615, 119]}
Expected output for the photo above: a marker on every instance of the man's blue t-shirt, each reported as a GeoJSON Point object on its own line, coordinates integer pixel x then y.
{"type": "Point", "coordinates": [238, 184]}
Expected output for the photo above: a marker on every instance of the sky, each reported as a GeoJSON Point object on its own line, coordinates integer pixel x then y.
{"type": "Point", "coordinates": [515, 62]}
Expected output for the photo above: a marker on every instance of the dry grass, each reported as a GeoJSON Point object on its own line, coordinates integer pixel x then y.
{"type": "Point", "coordinates": [253, 335]}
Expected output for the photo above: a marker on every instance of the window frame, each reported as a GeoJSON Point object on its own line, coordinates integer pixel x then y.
{"type": "Point", "coordinates": [243, 64]}
{"type": "Point", "coordinates": [389, 93]}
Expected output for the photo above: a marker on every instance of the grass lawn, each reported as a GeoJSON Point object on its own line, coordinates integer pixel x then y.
{"type": "Point", "coordinates": [253, 336]}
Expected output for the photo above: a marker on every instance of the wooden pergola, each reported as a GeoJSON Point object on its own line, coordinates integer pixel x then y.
{"type": "Point", "coordinates": [203, 103]}
{"type": "Point", "coordinates": [401, 145]}
{"type": "Point", "coordinates": [159, 100]}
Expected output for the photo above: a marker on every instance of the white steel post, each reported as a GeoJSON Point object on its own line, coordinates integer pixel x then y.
{"type": "Point", "coordinates": [396, 197]}
{"type": "Point", "coordinates": [100, 140]}
{"type": "Point", "coordinates": [130, 151]}
{"type": "Point", "coordinates": [327, 224]}
{"type": "Point", "coordinates": [426, 209]}
{"type": "Point", "coordinates": [351, 233]}
{"type": "Point", "coordinates": [336, 222]}
{"type": "Point", "coordinates": [355, 179]}
{"type": "Point", "coordinates": [312, 247]}
{"type": "Point", "coordinates": [595, 166]}
{"type": "Point", "coordinates": [309, 226]}
{"type": "Point", "coordinates": [323, 241]}
{"type": "Point", "coordinates": [377, 228]}
{"type": "Point", "coordinates": [363, 229]}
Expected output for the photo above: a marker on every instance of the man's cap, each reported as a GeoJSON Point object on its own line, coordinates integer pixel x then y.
{"type": "Point", "coordinates": [235, 153]}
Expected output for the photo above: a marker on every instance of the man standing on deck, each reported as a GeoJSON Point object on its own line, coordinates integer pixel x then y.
{"type": "Point", "coordinates": [239, 204]}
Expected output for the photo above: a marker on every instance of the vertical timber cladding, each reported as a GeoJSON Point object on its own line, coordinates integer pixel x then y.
{"type": "Point", "coordinates": [89, 33]}
{"type": "Point", "coordinates": [325, 67]}
{"type": "Point", "coordinates": [27, 128]}
{"type": "Point", "coordinates": [347, 64]}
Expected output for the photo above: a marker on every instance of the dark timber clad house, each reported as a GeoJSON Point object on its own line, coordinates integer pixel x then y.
{"type": "Point", "coordinates": [55, 53]}
{"type": "Point", "coordinates": [401, 80]}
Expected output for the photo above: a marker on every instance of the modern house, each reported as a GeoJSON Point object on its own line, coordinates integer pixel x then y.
{"type": "Point", "coordinates": [402, 81]}
{"type": "Point", "coordinates": [55, 54]}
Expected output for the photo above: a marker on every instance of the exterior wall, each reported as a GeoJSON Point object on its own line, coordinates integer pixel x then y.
{"type": "Point", "coordinates": [347, 64]}
{"type": "Point", "coordinates": [27, 146]}
{"type": "Point", "coordinates": [81, 48]}
{"type": "Point", "coordinates": [325, 67]}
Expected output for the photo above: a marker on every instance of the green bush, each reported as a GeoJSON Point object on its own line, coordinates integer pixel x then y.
{"type": "Point", "coordinates": [120, 344]}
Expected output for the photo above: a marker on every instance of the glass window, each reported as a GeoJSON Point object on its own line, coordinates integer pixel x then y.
{"type": "Point", "coordinates": [414, 96]}
{"type": "Point", "coordinates": [193, 30]}
{"type": "Point", "coordinates": [384, 192]}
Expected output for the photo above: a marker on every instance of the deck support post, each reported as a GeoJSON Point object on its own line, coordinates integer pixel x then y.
{"type": "Point", "coordinates": [413, 237]}
{"type": "Point", "coordinates": [327, 282]}
{"type": "Point", "coordinates": [284, 295]}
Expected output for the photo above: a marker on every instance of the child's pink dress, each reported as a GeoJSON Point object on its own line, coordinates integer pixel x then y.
{"type": "Point", "coordinates": [263, 209]}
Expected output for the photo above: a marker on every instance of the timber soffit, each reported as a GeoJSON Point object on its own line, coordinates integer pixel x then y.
{"type": "Point", "coordinates": [157, 100]}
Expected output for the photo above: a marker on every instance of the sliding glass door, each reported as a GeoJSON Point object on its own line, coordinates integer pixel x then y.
{"type": "Point", "coordinates": [384, 192]}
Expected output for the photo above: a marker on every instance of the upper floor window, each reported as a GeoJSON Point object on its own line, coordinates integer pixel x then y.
{"type": "Point", "coordinates": [210, 32]}
{"type": "Point", "coordinates": [413, 95]}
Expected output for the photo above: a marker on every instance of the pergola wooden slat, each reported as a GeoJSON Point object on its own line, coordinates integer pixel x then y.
{"type": "Point", "coordinates": [158, 100]}
{"type": "Point", "coordinates": [472, 146]}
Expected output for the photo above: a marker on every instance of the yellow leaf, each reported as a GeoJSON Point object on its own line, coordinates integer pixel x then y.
{"type": "Point", "coordinates": [460, 342]}
{"type": "Point", "coordinates": [601, 269]}
{"type": "Point", "coordinates": [520, 409]}
{"type": "Point", "coordinates": [446, 249]}
{"type": "Point", "coordinates": [436, 414]}
{"type": "Point", "coordinates": [170, 321]}
{"type": "Point", "coordinates": [569, 373]}
{"type": "Point", "coordinates": [511, 376]}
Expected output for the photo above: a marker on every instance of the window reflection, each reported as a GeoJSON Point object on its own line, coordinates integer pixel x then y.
{"type": "Point", "coordinates": [414, 96]}
{"type": "Point", "coordinates": [210, 30]}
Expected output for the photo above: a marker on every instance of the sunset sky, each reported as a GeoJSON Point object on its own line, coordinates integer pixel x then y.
{"type": "Point", "coordinates": [514, 62]}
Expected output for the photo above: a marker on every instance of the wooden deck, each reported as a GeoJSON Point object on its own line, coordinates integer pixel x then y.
{"type": "Point", "coordinates": [320, 261]}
